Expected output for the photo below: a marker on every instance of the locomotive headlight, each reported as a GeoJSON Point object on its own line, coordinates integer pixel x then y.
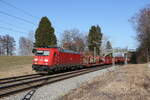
{"type": "Point", "coordinates": [46, 60]}
{"type": "Point", "coordinates": [46, 63]}
{"type": "Point", "coordinates": [35, 59]}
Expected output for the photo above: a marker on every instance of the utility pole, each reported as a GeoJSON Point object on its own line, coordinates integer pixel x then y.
{"type": "Point", "coordinates": [94, 51]}
{"type": "Point", "coordinates": [97, 43]}
{"type": "Point", "coordinates": [148, 57]}
{"type": "Point", "coordinates": [126, 58]}
{"type": "Point", "coordinates": [113, 58]}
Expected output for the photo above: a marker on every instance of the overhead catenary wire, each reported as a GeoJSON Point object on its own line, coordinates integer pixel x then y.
{"type": "Point", "coordinates": [10, 24]}
{"type": "Point", "coordinates": [21, 10]}
{"type": "Point", "coordinates": [22, 19]}
{"type": "Point", "coordinates": [10, 29]}
{"type": "Point", "coordinates": [19, 18]}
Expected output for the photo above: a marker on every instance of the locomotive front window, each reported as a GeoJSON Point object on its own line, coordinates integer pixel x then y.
{"type": "Point", "coordinates": [42, 53]}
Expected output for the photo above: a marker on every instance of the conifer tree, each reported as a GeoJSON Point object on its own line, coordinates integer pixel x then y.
{"type": "Point", "coordinates": [94, 39]}
{"type": "Point", "coordinates": [44, 35]}
{"type": "Point", "coordinates": [108, 45]}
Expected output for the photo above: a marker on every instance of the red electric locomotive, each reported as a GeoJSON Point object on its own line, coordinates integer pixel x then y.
{"type": "Point", "coordinates": [55, 58]}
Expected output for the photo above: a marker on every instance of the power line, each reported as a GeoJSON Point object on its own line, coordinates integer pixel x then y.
{"type": "Point", "coordinates": [10, 24]}
{"type": "Point", "coordinates": [10, 29]}
{"type": "Point", "coordinates": [21, 10]}
{"type": "Point", "coordinates": [19, 18]}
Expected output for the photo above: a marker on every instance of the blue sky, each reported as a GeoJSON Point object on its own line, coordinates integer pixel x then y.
{"type": "Point", "coordinates": [111, 15]}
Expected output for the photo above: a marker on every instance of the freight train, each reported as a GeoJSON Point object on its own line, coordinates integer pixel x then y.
{"type": "Point", "coordinates": [48, 59]}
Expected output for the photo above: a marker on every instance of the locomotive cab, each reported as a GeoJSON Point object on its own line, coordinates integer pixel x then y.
{"type": "Point", "coordinates": [43, 58]}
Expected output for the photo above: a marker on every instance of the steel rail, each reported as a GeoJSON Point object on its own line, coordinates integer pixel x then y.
{"type": "Point", "coordinates": [38, 79]}
{"type": "Point", "coordinates": [9, 89]}
{"type": "Point", "coordinates": [19, 79]}
{"type": "Point", "coordinates": [22, 76]}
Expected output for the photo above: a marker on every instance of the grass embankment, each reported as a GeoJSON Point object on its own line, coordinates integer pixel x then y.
{"type": "Point", "coordinates": [130, 82]}
{"type": "Point", "coordinates": [15, 65]}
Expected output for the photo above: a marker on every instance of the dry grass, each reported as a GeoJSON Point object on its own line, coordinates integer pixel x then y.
{"type": "Point", "coordinates": [130, 82]}
{"type": "Point", "coordinates": [15, 65]}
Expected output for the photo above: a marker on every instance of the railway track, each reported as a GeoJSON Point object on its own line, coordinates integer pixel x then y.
{"type": "Point", "coordinates": [13, 85]}
{"type": "Point", "coordinates": [18, 78]}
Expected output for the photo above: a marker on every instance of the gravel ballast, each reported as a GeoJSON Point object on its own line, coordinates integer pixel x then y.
{"type": "Point", "coordinates": [58, 89]}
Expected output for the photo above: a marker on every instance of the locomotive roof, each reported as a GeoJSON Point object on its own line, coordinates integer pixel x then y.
{"type": "Point", "coordinates": [48, 47]}
{"type": "Point", "coordinates": [60, 49]}
{"type": "Point", "coordinates": [67, 51]}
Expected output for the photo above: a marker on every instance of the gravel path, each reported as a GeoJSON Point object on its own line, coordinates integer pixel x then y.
{"type": "Point", "coordinates": [58, 89]}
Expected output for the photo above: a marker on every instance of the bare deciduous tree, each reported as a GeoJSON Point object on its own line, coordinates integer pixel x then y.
{"type": "Point", "coordinates": [141, 23]}
{"type": "Point", "coordinates": [31, 36]}
{"type": "Point", "coordinates": [73, 40]}
{"type": "Point", "coordinates": [7, 45]}
{"type": "Point", "coordinates": [25, 46]}
{"type": "Point", "coordinates": [1, 46]}
{"type": "Point", "coordinates": [103, 47]}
